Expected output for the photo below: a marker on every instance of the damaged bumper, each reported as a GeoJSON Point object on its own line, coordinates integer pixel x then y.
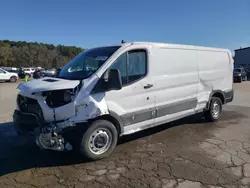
{"type": "Point", "coordinates": [48, 135]}
{"type": "Point", "coordinates": [25, 122]}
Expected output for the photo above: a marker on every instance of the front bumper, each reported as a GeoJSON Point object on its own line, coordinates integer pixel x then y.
{"type": "Point", "coordinates": [26, 122]}
{"type": "Point", "coordinates": [30, 123]}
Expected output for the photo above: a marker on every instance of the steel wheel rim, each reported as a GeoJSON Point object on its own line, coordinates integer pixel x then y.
{"type": "Point", "coordinates": [216, 109]}
{"type": "Point", "coordinates": [100, 141]}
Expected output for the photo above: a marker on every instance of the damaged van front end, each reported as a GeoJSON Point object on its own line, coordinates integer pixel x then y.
{"type": "Point", "coordinates": [46, 107]}
{"type": "Point", "coordinates": [49, 107]}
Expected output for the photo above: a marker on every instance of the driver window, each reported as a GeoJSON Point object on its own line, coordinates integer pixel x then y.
{"type": "Point", "coordinates": [1, 71]}
{"type": "Point", "coordinates": [121, 65]}
{"type": "Point", "coordinates": [136, 65]}
{"type": "Point", "coordinates": [132, 65]}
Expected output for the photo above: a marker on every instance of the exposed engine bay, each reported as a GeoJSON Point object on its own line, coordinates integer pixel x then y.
{"type": "Point", "coordinates": [46, 110]}
{"type": "Point", "coordinates": [59, 98]}
{"type": "Point", "coordinates": [48, 133]}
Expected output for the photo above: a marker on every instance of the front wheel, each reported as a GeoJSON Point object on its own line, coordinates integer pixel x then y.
{"type": "Point", "coordinates": [214, 111]}
{"type": "Point", "coordinates": [99, 140]}
{"type": "Point", "coordinates": [13, 79]}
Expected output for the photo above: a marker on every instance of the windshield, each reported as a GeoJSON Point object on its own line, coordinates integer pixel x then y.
{"type": "Point", "coordinates": [86, 63]}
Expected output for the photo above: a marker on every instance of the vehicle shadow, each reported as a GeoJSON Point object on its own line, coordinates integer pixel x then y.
{"type": "Point", "coordinates": [20, 152]}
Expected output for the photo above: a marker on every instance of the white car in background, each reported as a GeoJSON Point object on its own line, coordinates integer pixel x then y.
{"type": "Point", "coordinates": [29, 71]}
{"type": "Point", "coordinates": [8, 76]}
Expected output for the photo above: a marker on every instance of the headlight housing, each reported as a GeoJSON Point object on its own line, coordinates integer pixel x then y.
{"type": "Point", "coordinates": [67, 96]}
{"type": "Point", "coordinates": [58, 98]}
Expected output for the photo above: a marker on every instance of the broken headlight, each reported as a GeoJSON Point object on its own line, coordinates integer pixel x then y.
{"type": "Point", "coordinates": [67, 96]}
{"type": "Point", "coordinates": [58, 98]}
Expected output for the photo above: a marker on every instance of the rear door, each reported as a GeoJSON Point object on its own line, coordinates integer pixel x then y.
{"type": "Point", "coordinates": [135, 102]}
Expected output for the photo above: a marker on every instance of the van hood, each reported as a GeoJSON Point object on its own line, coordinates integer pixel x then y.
{"type": "Point", "coordinates": [47, 84]}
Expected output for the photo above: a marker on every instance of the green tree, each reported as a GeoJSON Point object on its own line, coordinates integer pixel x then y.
{"type": "Point", "coordinates": [28, 54]}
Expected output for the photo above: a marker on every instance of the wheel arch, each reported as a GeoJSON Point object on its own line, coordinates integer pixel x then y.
{"type": "Point", "coordinates": [114, 118]}
{"type": "Point", "coordinates": [216, 93]}
{"type": "Point", "coordinates": [220, 95]}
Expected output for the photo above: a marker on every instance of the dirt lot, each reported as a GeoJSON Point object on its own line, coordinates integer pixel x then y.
{"type": "Point", "coordinates": [187, 153]}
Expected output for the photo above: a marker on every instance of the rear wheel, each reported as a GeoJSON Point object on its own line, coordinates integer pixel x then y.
{"type": "Point", "coordinates": [214, 111]}
{"type": "Point", "coordinates": [13, 79]}
{"type": "Point", "coordinates": [99, 140]}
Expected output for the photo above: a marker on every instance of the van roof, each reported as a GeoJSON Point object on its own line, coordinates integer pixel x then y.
{"type": "Point", "coordinates": [178, 46]}
{"type": "Point", "coordinates": [169, 45]}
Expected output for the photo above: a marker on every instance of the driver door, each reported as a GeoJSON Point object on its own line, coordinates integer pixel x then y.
{"type": "Point", "coordinates": [135, 102]}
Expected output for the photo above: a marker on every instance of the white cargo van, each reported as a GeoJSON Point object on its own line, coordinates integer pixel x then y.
{"type": "Point", "coordinates": [107, 92]}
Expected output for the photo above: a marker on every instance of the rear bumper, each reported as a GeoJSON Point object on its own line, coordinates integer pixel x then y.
{"type": "Point", "coordinates": [229, 96]}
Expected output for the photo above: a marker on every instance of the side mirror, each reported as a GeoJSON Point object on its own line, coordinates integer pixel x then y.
{"type": "Point", "coordinates": [112, 79]}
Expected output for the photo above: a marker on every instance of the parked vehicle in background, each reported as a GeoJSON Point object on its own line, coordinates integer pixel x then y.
{"type": "Point", "coordinates": [237, 77]}
{"type": "Point", "coordinates": [28, 71]}
{"type": "Point", "coordinates": [14, 71]}
{"type": "Point", "coordinates": [111, 91]}
{"type": "Point", "coordinates": [37, 74]}
{"type": "Point", "coordinates": [8, 76]}
{"type": "Point", "coordinates": [21, 73]}
{"type": "Point", "coordinates": [49, 72]}
{"type": "Point", "coordinates": [10, 69]}
{"type": "Point", "coordinates": [241, 71]}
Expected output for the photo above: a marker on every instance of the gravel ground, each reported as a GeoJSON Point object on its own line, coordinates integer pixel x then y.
{"type": "Point", "coordinates": [187, 153]}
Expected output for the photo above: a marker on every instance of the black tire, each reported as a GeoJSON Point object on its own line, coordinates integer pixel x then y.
{"type": "Point", "coordinates": [102, 126]}
{"type": "Point", "coordinates": [209, 114]}
{"type": "Point", "coordinates": [13, 79]}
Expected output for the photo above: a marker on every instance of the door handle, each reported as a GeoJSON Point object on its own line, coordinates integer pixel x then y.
{"type": "Point", "coordinates": [148, 86]}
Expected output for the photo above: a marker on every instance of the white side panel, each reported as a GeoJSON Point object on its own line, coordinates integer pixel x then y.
{"type": "Point", "coordinates": [215, 73]}
{"type": "Point", "coordinates": [158, 121]}
{"type": "Point", "coordinates": [173, 117]}
{"type": "Point", "coordinates": [175, 73]}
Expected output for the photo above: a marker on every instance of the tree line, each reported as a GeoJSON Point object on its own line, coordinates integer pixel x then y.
{"type": "Point", "coordinates": [33, 54]}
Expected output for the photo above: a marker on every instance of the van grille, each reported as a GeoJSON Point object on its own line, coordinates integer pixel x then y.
{"type": "Point", "coordinates": [29, 105]}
